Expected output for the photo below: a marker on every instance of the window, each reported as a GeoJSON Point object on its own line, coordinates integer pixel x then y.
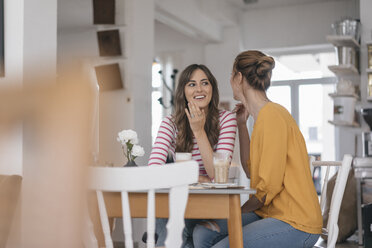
{"type": "Point", "coordinates": [301, 83]}
{"type": "Point", "coordinates": [315, 109]}
{"type": "Point", "coordinates": [303, 66]}
{"type": "Point", "coordinates": [163, 82]}
{"type": "Point", "coordinates": [156, 107]}
{"type": "Point", "coordinates": [281, 95]}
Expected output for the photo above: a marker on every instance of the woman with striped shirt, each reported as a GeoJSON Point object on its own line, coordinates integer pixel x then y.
{"type": "Point", "coordinates": [196, 126]}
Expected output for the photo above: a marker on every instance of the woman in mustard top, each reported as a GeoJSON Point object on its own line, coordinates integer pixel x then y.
{"type": "Point", "coordinates": [285, 210]}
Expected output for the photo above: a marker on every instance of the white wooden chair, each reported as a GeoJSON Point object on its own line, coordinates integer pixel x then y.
{"type": "Point", "coordinates": [337, 195]}
{"type": "Point", "coordinates": [311, 160]}
{"type": "Point", "coordinates": [176, 176]}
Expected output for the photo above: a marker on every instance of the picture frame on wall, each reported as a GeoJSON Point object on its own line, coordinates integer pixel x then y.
{"type": "Point", "coordinates": [2, 50]}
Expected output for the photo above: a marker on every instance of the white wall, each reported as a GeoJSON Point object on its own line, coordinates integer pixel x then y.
{"type": "Point", "coordinates": [185, 50]}
{"type": "Point", "coordinates": [220, 58]}
{"type": "Point", "coordinates": [140, 49]}
{"type": "Point", "coordinates": [40, 39]}
{"type": "Point", "coordinates": [293, 25]}
{"type": "Point", "coordinates": [39, 62]}
{"type": "Point", "coordinates": [11, 143]}
{"type": "Point", "coordinates": [188, 17]}
{"type": "Point", "coordinates": [77, 46]}
{"type": "Point", "coordinates": [74, 45]}
{"type": "Point", "coordinates": [13, 28]}
{"type": "Point", "coordinates": [30, 51]}
{"type": "Point", "coordinates": [78, 50]}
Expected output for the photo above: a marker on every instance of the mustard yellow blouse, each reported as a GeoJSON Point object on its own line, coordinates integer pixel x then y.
{"type": "Point", "coordinates": [279, 169]}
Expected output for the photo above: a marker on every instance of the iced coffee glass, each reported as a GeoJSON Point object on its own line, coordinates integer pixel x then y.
{"type": "Point", "coordinates": [221, 164]}
{"type": "Point", "coordinates": [183, 156]}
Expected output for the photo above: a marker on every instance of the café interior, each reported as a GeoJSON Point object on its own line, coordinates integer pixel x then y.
{"type": "Point", "coordinates": [74, 74]}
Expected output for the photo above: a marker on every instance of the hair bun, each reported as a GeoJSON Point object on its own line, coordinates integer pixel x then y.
{"type": "Point", "coordinates": [264, 65]}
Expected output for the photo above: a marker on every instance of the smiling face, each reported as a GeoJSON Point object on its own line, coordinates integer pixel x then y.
{"type": "Point", "coordinates": [199, 89]}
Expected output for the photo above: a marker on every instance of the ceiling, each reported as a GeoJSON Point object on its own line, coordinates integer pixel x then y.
{"type": "Point", "coordinates": [78, 13]}
{"type": "Point", "coordinates": [261, 4]}
{"type": "Point", "coordinates": [75, 14]}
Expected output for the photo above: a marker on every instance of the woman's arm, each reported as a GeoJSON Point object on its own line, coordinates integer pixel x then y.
{"type": "Point", "coordinates": [244, 140]}
{"type": "Point", "coordinates": [197, 121]}
{"type": "Point", "coordinates": [206, 152]}
{"type": "Point", "coordinates": [162, 144]}
{"type": "Point", "coordinates": [271, 147]}
{"type": "Point", "coordinates": [227, 135]}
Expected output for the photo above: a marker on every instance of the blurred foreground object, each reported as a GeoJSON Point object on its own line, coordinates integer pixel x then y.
{"type": "Point", "coordinates": [56, 131]}
{"type": "Point", "coordinates": [10, 187]}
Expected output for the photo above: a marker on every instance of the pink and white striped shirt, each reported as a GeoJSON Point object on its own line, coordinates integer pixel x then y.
{"type": "Point", "coordinates": [166, 140]}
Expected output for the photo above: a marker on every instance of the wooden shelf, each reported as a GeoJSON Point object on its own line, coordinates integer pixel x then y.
{"type": "Point", "coordinates": [343, 69]}
{"type": "Point", "coordinates": [344, 95]}
{"type": "Point", "coordinates": [343, 40]}
{"type": "Point", "coordinates": [345, 124]}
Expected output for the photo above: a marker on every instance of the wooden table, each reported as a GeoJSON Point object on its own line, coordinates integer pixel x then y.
{"type": "Point", "coordinates": [202, 204]}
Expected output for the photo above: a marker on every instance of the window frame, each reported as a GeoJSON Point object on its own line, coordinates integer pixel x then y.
{"type": "Point", "coordinates": [294, 91]}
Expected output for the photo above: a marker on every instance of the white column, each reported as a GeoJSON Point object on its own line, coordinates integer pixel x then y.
{"type": "Point", "coordinates": [140, 56]}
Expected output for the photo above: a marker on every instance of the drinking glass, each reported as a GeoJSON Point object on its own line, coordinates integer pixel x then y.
{"type": "Point", "coordinates": [221, 164]}
{"type": "Point", "coordinates": [183, 156]}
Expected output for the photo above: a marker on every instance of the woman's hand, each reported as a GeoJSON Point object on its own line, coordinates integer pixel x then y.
{"type": "Point", "coordinates": [204, 179]}
{"type": "Point", "coordinates": [242, 114]}
{"type": "Point", "coordinates": [252, 204]}
{"type": "Point", "coordinates": [196, 118]}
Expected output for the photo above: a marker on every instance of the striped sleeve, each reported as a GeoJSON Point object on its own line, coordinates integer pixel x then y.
{"type": "Point", "coordinates": [163, 142]}
{"type": "Point", "coordinates": [226, 139]}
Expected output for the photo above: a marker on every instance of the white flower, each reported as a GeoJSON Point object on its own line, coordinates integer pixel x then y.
{"type": "Point", "coordinates": [127, 135]}
{"type": "Point", "coordinates": [138, 151]}
{"type": "Point", "coordinates": [128, 140]}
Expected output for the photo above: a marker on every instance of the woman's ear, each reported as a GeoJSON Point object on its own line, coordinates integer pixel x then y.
{"type": "Point", "coordinates": [239, 78]}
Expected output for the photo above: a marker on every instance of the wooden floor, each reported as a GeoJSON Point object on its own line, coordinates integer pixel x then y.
{"type": "Point", "coordinates": [320, 243]}
{"type": "Point", "coordinates": [352, 242]}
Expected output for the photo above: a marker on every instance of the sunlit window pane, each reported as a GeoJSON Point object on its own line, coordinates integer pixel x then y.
{"type": "Point", "coordinates": [156, 112]}
{"type": "Point", "coordinates": [315, 109]}
{"type": "Point", "coordinates": [281, 95]}
{"type": "Point", "coordinates": [156, 79]}
{"type": "Point", "coordinates": [303, 66]}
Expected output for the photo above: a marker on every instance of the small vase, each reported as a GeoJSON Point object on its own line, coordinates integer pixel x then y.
{"type": "Point", "coordinates": [131, 163]}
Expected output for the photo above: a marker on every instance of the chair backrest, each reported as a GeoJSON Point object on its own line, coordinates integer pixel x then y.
{"type": "Point", "coordinates": [311, 160]}
{"type": "Point", "coordinates": [337, 195]}
{"type": "Point", "coordinates": [176, 176]}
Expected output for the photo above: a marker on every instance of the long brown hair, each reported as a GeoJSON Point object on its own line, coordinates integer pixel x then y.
{"type": "Point", "coordinates": [184, 142]}
{"type": "Point", "coordinates": [256, 67]}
